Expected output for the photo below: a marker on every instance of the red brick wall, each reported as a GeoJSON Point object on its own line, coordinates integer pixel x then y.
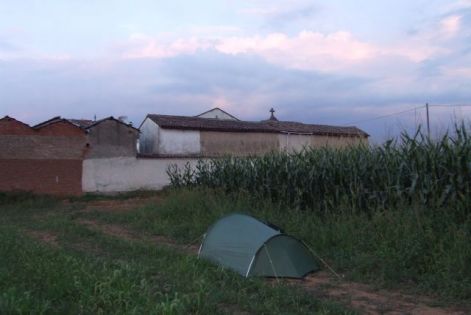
{"type": "Point", "coordinates": [46, 161]}
{"type": "Point", "coordinates": [57, 177]}
{"type": "Point", "coordinates": [61, 128]}
{"type": "Point", "coordinates": [11, 126]}
{"type": "Point", "coordinates": [42, 147]}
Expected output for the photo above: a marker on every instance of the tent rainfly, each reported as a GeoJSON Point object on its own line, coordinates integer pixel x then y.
{"type": "Point", "coordinates": [252, 248]}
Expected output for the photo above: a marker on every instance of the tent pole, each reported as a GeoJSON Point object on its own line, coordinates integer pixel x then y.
{"type": "Point", "coordinates": [250, 266]}
{"type": "Point", "coordinates": [323, 261]}
{"type": "Point", "coordinates": [271, 262]}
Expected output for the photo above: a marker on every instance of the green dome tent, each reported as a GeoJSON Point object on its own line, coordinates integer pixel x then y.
{"type": "Point", "coordinates": [252, 248]}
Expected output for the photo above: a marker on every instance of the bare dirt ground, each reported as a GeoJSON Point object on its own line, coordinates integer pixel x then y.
{"type": "Point", "coordinates": [365, 299]}
{"type": "Point", "coordinates": [43, 236]}
{"type": "Point", "coordinates": [361, 297]}
{"type": "Point", "coordinates": [125, 233]}
{"type": "Point", "coordinates": [110, 205]}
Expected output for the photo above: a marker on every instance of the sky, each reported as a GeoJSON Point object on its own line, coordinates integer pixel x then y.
{"type": "Point", "coordinates": [324, 62]}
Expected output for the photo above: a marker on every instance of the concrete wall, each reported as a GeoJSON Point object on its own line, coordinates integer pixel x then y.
{"type": "Point", "coordinates": [110, 138]}
{"type": "Point", "coordinates": [127, 174]}
{"type": "Point", "coordinates": [237, 143]}
{"type": "Point", "coordinates": [290, 142]}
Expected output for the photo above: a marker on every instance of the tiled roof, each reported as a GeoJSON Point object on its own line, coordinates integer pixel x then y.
{"type": "Point", "coordinates": [53, 120]}
{"type": "Point", "coordinates": [94, 123]}
{"type": "Point", "coordinates": [81, 123]}
{"type": "Point", "coordinates": [211, 124]}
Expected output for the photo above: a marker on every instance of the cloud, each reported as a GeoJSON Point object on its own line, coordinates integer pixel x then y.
{"type": "Point", "coordinates": [306, 50]}
{"type": "Point", "coordinates": [245, 85]}
{"type": "Point", "coordinates": [457, 5]}
{"type": "Point", "coordinates": [305, 73]}
{"type": "Point", "coordinates": [450, 25]}
{"type": "Point", "coordinates": [315, 51]}
{"type": "Point", "coordinates": [144, 46]}
{"type": "Point", "coordinates": [281, 10]}
{"type": "Point", "coordinates": [463, 72]}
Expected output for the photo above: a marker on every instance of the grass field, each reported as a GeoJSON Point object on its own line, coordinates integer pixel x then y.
{"type": "Point", "coordinates": [106, 255]}
{"type": "Point", "coordinates": [52, 263]}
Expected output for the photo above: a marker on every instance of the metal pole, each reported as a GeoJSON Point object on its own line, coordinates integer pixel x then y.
{"type": "Point", "coordinates": [428, 120]}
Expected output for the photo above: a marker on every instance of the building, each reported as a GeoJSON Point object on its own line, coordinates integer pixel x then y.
{"type": "Point", "coordinates": [107, 137]}
{"type": "Point", "coordinates": [72, 156]}
{"type": "Point", "coordinates": [217, 113]}
{"type": "Point", "coordinates": [216, 133]}
{"type": "Point", "coordinates": [46, 160]}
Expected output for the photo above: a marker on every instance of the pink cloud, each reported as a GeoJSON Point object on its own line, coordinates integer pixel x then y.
{"type": "Point", "coordinates": [450, 25]}
{"type": "Point", "coordinates": [143, 46]}
{"type": "Point", "coordinates": [307, 50]}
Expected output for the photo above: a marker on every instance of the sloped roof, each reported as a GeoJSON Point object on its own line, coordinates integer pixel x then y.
{"type": "Point", "coordinates": [8, 118]}
{"type": "Point", "coordinates": [211, 124]}
{"type": "Point", "coordinates": [80, 123]}
{"type": "Point", "coordinates": [94, 123]}
{"type": "Point", "coordinates": [54, 120]}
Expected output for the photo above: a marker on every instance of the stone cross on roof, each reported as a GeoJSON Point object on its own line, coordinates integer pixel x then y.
{"type": "Point", "coordinates": [272, 116]}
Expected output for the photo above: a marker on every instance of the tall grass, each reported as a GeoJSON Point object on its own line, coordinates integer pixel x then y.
{"type": "Point", "coordinates": [411, 170]}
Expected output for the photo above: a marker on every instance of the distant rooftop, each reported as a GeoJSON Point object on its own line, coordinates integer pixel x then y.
{"type": "Point", "coordinates": [271, 125]}
{"type": "Point", "coordinates": [81, 123]}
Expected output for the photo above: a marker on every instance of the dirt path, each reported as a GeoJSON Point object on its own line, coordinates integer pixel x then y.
{"type": "Point", "coordinates": [43, 236]}
{"type": "Point", "coordinates": [116, 205]}
{"type": "Point", "coordinates": [125, 233]}
{"type": "Point", "coordinates": [365, 299]}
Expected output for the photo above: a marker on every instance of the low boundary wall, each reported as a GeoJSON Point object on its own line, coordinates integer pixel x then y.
{"type": "Point", "coordinates": [58, 177]}
{"type": "Point", "coordinates": [128, 173]}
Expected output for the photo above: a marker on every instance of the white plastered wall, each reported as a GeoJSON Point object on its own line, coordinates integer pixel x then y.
{"type": "Point", "coordinates": [216, 113]}
{"type": "Point", "coordinates": [293, 142]}
{"type": "Point", "coordinates": [156, 140]}
{"type": "Point", "coordinates": [174, 141]}
{"type": "Point", "coordinates": [149, 137]}
{"type": "Point", "coordinates": [107, 175]}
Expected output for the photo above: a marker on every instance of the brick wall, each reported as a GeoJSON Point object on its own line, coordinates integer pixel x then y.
{"type": "Point", "coordinates": [61, 128]}
{"type": "Point", "coordinates": [57, 177]}
{"type": "Point", "coordinates": [42, 147]}
{"type": "Point", "coordinates": [11, 126]}
{"type": "Point", "coordinates": [47, 160]}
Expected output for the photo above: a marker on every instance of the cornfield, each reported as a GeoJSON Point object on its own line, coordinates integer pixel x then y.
{"type": "Point", "coordinates": [408, 170]}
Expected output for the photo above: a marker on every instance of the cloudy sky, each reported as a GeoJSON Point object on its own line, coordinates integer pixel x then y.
{"type": "Point", "coordinates": [331, 62]}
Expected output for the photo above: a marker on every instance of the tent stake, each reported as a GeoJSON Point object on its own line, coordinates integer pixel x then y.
{"type": "Point", "coordinates": [194, 241]}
